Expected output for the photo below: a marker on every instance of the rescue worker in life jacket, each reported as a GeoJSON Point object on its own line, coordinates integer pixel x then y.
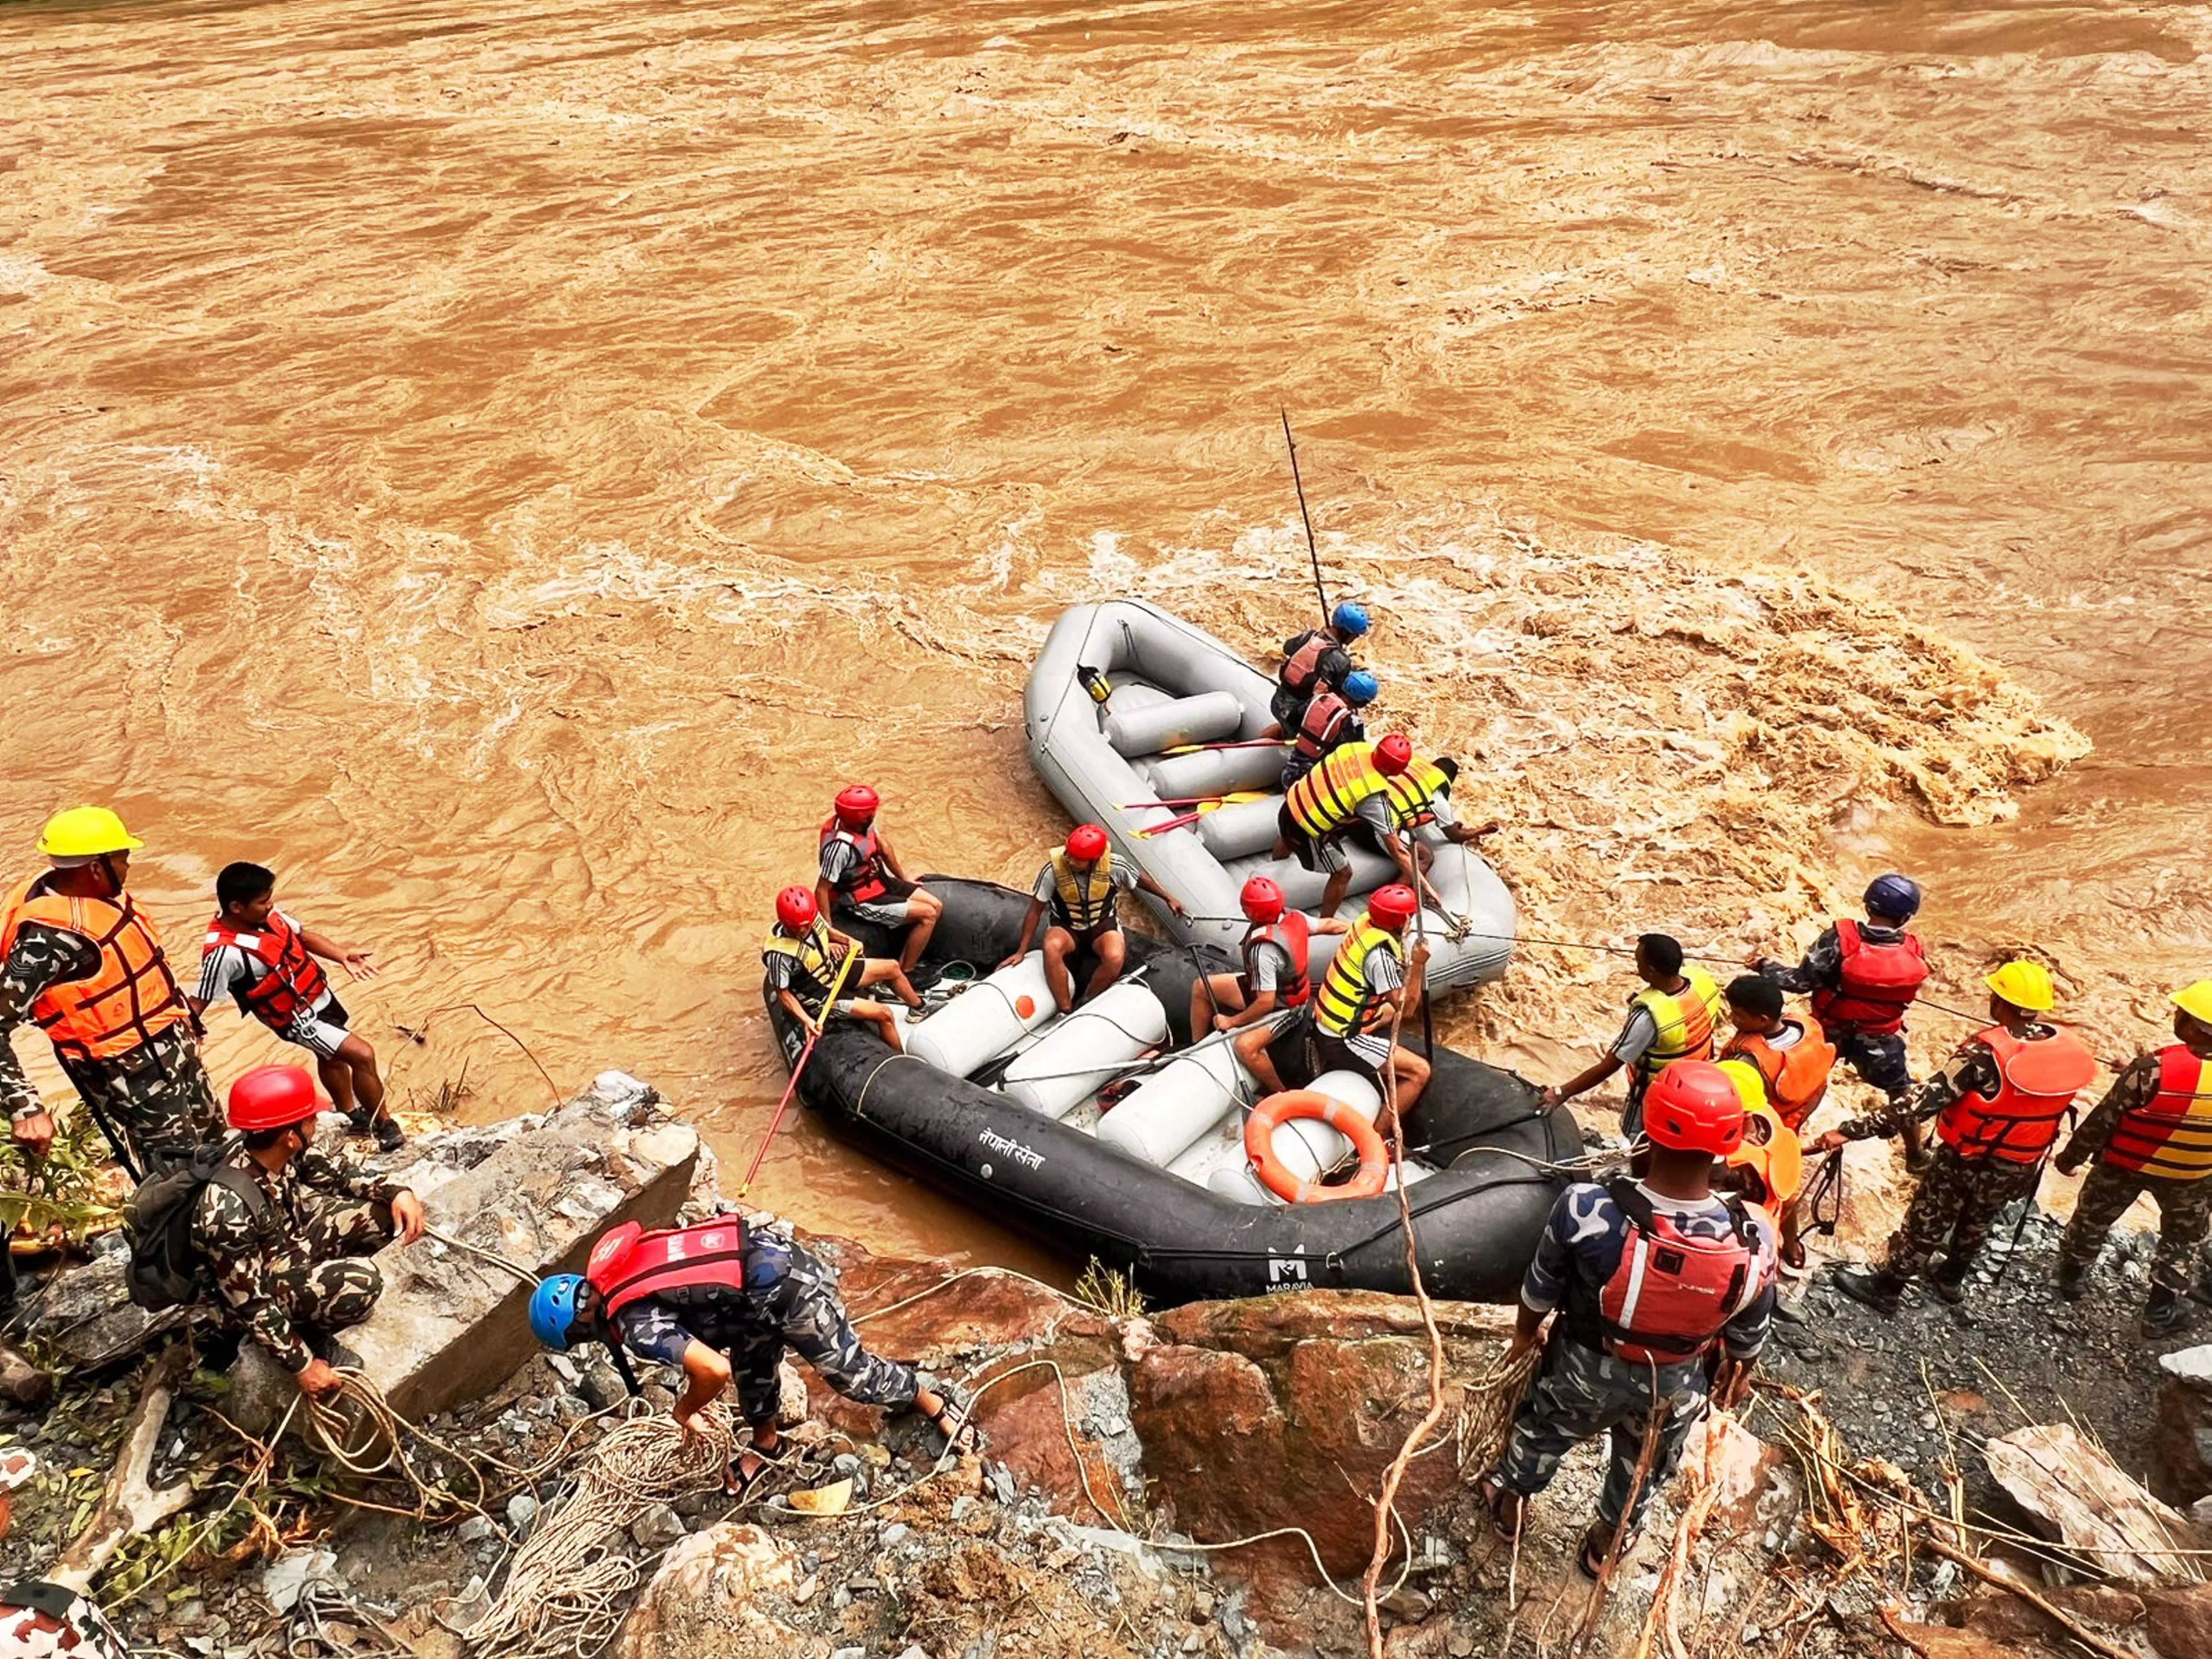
{"type": "Point", "coordinates": [283, 1228]}
{"type": "Point", "coordinates": [860, 872]}
{"type": "Point", "coordinates": [814, 970]}
{"type": "Point", "coordinates": [1331, 719]}
{"type": "Point", "coordinates": [2152, 1133]}
{"type": "Point", "coordinates": [1791, 1063]}
{"type": "Point", "coordinates": [81, 960]}
{"type": "Point", "coordinates": [1080, 884]}
{"type": "Point", "coordinates": [1649, 1278]}
{"type": "Point", "coordinates": [1317, 656]}
{"type": "Point", "coordinates": [1318, 812]}
{"type": "Point", "coordinates": [1371, 985]}
{"type": "Point", "coordinates": [1670, 1020]}
{"type": "Point", "coordinates": [722, 1302]}
{"type": "Point", "coordinates": [1997, 1104]}
{"type": "Point", "coordinates": [1863, 978]}
{"type": "Point", "coordinates": [1274, 977]}
{"type": "Point", "coordinates": [1417, 798]}
{"type": "Point", "coordinates": [264, 961]}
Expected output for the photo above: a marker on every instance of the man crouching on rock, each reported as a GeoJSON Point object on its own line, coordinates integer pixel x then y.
{"type": "Point", "coordinates": [281, 1227]}
{"type": "Point", "coordinates": [719, 1300]}
{"type": "Point", "coordinates": [1651, 1277]}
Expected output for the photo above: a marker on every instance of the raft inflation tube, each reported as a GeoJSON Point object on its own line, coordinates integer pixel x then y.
{"type": "Point", "coordinates": [997, 1100]}
{"type": "Point", "coordinates": [1175, 688]}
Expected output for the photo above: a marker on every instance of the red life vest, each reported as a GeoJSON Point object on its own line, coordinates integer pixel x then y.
{"type": "Point", "coordinates": [1877, 983]}
{"type": "Point", "coordinates": [1673, 1293]}
{"type": "Point", "coordinates": [1321, 728]}
{"type": "Point", "coordinates": [2038, 1080]}
{"type": "Point", "coordinates": [1290, 931]}
{"type": "Point", "coordinates": [867, 880]}
{"type": "Point", "coordinates": [2170, 1134]}
{"type": "Point", "coordinates": [294, 982]}
{"type": "Point", "coordinates": [1302, 666]}
{"type": "Point", "coordinates": [630, 1264]}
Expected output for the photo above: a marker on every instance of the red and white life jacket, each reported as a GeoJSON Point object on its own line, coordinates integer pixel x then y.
{"type": "Point", "coordinates": [630, 1264]}
{"type": "Point", "coordinates": [1322, 726]}
{"type": "Point", "coordinates": [2039, 1077]}
{"type": "Point", "coordinates": [867, 880]}
{"type": "Point", "coordinates": [294, 982]}
{"type": "Point", "coordinates": [1877, 981]}
{"type": "Point", "coordinates": [1673, 1294]}
{"type": "Point", "coordinates": [1303, 665]}
{"type": "Point", "coordinates": [1289, 933]}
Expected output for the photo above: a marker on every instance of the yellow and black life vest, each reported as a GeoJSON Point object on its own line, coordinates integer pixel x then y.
{"type": "Point", "coordinates": [1082, 902]}
{"type": "Point", "coordinates": [2170, 1134]}
{"type": "Point", "coordinates": [815, 957]}
{"type": "Point", "coordinates": [1327, 797]}
{"type": "Point", "coordinates": [1345, 1006]}
{"type": "Point", "coordinates": [1412, 790]}
{"type": "Point", "coordinates": [1685, 1020]}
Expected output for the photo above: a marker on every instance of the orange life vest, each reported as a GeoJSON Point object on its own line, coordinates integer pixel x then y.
{"type": "Point", "coordinates": [2170, 1134]}
{"type": "Point", "coordinates": [1796, 1076]}
{"type": "Point", "coordinates": [1323, 726]}
{"type": "Point", "coordinates": [1672, 1292]}
{"type": "Point", "coordinates": [129, 998]}
{"type": "Point", "coordinates": [1289, 932]}
{"type": "Point", "coordinates": [2039, 1078]}
{"type": "Point", "coordinates": [868, 879]}
{"type": "Point", "coordinates": [1876, 982]}
{"type": "Point", "coordinates": [295, 982]}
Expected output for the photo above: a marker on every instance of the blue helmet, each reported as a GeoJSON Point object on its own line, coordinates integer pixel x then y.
{"type": "Point", "coordinates": [1894, 895]}
{"type": "Point", "coordinates": [1349, 618]}
{"type": "Point", "coordinates": [1360, 687]}
{"type": "Point", "coordinates": [553, 1307]}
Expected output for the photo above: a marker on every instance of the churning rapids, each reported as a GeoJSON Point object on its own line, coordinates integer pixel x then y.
{"type": "Point", "coordinates": [503, 464]}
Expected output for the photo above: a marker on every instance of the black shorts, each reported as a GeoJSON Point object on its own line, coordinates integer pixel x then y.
{"type": "Point", "coordinates": [1324, 855]}
{"type": "Point", "coordinates": [1334, 1054]}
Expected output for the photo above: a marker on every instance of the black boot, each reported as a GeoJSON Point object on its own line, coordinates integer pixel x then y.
{"type": "Point", "coordinates": [1949, 1282]}
{"type": "Point", "coordinates": [1871, 1289]}
{"type": "Point", "coordinates": [2073, 1279]}
{"type": "Point", "coordinates": [2164, 1314]}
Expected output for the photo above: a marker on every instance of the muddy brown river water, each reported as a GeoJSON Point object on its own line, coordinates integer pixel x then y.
{"type": "Point", "coordinates": [504, 465]}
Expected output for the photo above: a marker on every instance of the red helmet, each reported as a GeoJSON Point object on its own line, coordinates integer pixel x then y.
{"type": "Point", "coordinates": [856, 806]}
{"type": "Point", "coordinates": [1263, 900]}
{"type": "Point", "coordinates": [1086, 843]}
{"type": "Point", "coordinates": [1394, 755]}
{"type": "Point", "coordinates": [1693, 1107]}
{"type": "Point", "coordinates": [795, 908]}
{"type": "Point", "coordinates": [1393, 906]}
{"type": "Point", "coordinates": [272, 1097]}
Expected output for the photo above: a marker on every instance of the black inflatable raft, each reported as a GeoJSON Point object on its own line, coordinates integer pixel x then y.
{"type": "Point", "coordinates": [1477, 1129]}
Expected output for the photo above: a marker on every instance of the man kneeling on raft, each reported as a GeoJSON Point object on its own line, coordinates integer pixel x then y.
{"type": "Point", "coordinates": [722, 1301]}
{"type": "Point", "coordinates": [811, 968]}
{"type": "Point", "coordinates": [1081, 882]}
{"type": "Point", "coordinates": [1274, 975]}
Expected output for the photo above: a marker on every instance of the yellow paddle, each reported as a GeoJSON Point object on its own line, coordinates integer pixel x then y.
{"type": "Point", "coordinates": [1203, 809]}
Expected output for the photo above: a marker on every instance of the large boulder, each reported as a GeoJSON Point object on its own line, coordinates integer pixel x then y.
{"type": "Point", "coordinates": [2181, 1453]}
{"type": "Point", "coordinates": [450, 1325]}
{"type": "Point", "coordinates": [701, 1603]}
{"type": "Point", "coordinates": [1286, 1412]}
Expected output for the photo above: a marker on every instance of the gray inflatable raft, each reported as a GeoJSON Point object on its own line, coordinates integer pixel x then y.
{"type": "Point", "coordinates": [1177, 689]}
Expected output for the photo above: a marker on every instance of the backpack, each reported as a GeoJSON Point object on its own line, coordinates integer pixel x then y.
{"type": "Point", "coordinates": [167, 1268]}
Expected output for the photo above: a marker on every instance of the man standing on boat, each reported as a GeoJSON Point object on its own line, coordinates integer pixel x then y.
{"type": "Point", "coordinates": [1330, 721]}
{"type": "Point", "coordinates": [1418, 797]}
{"type": "Point", "coordinates": [1349, 786]}
{"type": "Point", "coordinates": [860, 872]}
{"type": "Point", "coordinates": [1080, 884]}
{"type": "Point", "coordinates": [1317, 656]}
{"type": "Point", "coordinates": [1671, 1019]}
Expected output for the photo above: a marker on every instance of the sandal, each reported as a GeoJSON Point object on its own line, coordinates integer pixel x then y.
{"type": "Point", "coordinates": [1495, 1493]}
{"type": "Point", "coordinates": [738, 1482]}
{"type": "Point", "coordinates": [962, 1437]}
{"type": "Point", "coordinates": [1590, 1562]}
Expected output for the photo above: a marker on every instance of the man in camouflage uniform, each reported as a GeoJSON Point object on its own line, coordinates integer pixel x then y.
{"type": "Point", "coordinates": [779, 1296]}
{"type": "Point", "coordinates": [80, 959]}
{"type": "Point", "coordinates": [1989, 1156]}
{"type": "Point", "coordinates": [2150, 1135]}
{"type": "Point", "coordinates": [281, 1227]}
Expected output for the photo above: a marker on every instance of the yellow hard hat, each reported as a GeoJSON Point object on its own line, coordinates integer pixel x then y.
{"type": "Point", "coordinates": [2025, 984]}
{"type": "Point", "coordinates": [2196, 1000]}
{"type": "Point", "coordinates": [86, 832]}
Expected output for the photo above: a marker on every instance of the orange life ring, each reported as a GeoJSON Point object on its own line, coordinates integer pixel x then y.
{"type": "Point", "coordinates": [1271, 1114]}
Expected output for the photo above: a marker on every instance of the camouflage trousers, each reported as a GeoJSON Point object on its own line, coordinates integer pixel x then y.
{"type": "Point", "coordinates": [154, 1103]}
{"type": "Point", "coordinates": [2184, 1216]}
{"type": "Point", "coordinates": [1957, 1202]}
{"type": "Point", "coordinates": [806, 1315]}
{"type": "Point", "coordinates": [1582, 1393]}
{"type": "Point", "coordinates": [333, 1287]}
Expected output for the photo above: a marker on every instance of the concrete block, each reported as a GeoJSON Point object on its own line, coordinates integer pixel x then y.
{"type": "Point", "coordinates": [450, 1327]}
